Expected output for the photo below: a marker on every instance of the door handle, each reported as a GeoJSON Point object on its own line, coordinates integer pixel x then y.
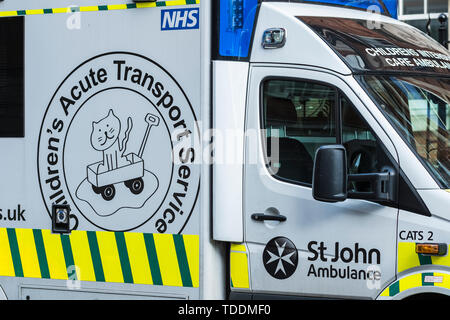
{"type": "Point", "coordinates": [263, 217]}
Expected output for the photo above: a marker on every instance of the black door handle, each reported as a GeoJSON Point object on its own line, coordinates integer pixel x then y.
{"type": "Point", "coordinates": [263, 217]}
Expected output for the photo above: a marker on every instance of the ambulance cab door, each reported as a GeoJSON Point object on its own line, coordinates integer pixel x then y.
{"type": "Point", "coordinates": [297, 245]}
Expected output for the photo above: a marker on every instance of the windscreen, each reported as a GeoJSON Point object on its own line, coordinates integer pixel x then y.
{"type": "Point", "coordinates": [407, 74]}
{"type": "Point", "coordinates": [419, 108]}
{"type": "Point", "coordinates": [379, 46]}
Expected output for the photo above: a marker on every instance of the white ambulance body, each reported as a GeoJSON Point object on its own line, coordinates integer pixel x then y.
{"type": "Point", "coordinates": [235, 149]}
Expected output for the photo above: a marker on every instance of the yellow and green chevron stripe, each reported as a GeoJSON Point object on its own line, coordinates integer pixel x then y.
{"type": "Point", "coordinates": [123, 257]}
{"type": "Point", "coordinates": [416, 280]}
{"type": "Point", "coordinates": [110, 7]}
{"type": "Point", "coordinates": [409, 260]}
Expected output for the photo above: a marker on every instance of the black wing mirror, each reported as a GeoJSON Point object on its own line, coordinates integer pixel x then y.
{"type": "Point", "coordinates": [330, 178]}
{"type": "Point", "coordinates": [330, 174]}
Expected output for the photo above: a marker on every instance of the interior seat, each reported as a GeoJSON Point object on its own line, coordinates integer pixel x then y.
{"type": "Point", "coordinates": [295, 162]}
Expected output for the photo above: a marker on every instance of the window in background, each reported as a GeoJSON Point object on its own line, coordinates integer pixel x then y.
{"type": "Point", "coordinates": [12, 77]}
{"type": "Point", "coordinates": [413, 6]}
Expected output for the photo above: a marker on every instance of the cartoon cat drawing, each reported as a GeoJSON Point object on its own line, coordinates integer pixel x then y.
{"type": "Point", "coordinates": [105, 137]}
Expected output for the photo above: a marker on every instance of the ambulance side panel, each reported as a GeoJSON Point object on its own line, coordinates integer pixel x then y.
{"type": "Point", "coordinates": [94, 78]}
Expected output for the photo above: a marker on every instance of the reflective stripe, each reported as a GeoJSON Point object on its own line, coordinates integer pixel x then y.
{"type": "Point", "coordinates": [407, 256]}
{"type": "Point", "coordinates": [238, 247]}
{"type": "Point", "coordinates": [182, 260]}
{"type": "Point", "coordinates": [417, 280]}
{"type": "Point", "coordinates": [88, 9]}
{"type": "Point", "coordinates": [158, 259]}
{"type": "Point", "coordinates": [137, 254]}
{"type": "Point", "coordinates": [411, 281]}
{"type": "Point", "coordinates": [117, 7]}
{"type": "Point", "coordinates": [192, 253]}
{"type": "Point", "coordinates": [6, 265]}
{"type": "Point", "coordinates": [123, 256]}
{"type": "Point", "coordinates": [408, 259]}
{"type": "Point", "coordinates": [28, 255]}
{"type": "Point", "coordinates": [167, 258]}
{"type": "Point", "coordinates": [37, 11]}
{"type": "Point", "coordinates": [109, 256]}
{"type": "Point", "coordinates": [82, 256]}
{"type": "Point", "coordinates": [239, 271]}
{"type": "Point", "coordinates": [385, 293]}
{"type": "Point", "coordinates": [445, 280]}
{"type": "Point", "coordinates": [55, 255]}
{"type": "Point", "coordinates": [15, 254]}
{"type": "Point", "coordinates": [110, 7]}
{"type": "Point", "coordinates": [8, 13]}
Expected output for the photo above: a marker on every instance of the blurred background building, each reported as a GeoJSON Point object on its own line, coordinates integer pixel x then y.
{"type": "Point", "coordinates": [424, 15]}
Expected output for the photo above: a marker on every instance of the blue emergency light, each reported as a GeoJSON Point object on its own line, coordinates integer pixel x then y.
{"type": "Point", "coordinates": [236, 26]}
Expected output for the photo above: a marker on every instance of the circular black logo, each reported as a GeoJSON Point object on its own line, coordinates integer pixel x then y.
{"type": "Point", "coordinates": [280, 257]}
{"type": "Point", "coordinates": [118, 143]}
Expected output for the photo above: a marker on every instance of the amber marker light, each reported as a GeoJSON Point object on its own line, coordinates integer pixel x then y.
{"type": "Point", "coordinates": [433, 249]}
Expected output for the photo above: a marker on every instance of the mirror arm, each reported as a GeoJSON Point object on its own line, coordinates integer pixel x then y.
{"type": "Point", "coordinates": [382, 184]}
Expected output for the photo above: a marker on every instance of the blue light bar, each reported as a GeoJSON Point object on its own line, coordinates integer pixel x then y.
{"type": "Point", "coordinates": [237, 18]}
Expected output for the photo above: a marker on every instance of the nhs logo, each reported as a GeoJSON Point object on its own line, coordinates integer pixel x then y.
{"type": "Point", "coordinates": [176, 19]}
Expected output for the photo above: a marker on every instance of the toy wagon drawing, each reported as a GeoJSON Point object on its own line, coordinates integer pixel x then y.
{"type": "Point", "coordinates": [130, 175]}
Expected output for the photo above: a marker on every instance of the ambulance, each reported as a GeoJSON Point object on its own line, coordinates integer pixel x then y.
{"type": "Point", "coordinates": [232, 149]}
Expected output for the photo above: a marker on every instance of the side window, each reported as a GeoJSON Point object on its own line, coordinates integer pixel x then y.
{"type": "Point", "coordinates": [298, 118]}
{"type": "Point", "coordinates": [11, 77]}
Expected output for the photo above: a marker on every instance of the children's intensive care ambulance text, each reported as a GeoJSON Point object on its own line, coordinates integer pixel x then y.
{"type": "Point", "coordinates": [404, 57]}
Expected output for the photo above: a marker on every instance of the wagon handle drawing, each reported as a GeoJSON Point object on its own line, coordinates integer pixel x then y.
{"type": "Point", "coordinates": [130, 174]}
{"type": "Point", "coordinates": [151, 120]}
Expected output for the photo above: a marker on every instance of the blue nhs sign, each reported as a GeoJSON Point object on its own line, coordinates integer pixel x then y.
{"type": "Point", "coordinates": [176, 19]}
